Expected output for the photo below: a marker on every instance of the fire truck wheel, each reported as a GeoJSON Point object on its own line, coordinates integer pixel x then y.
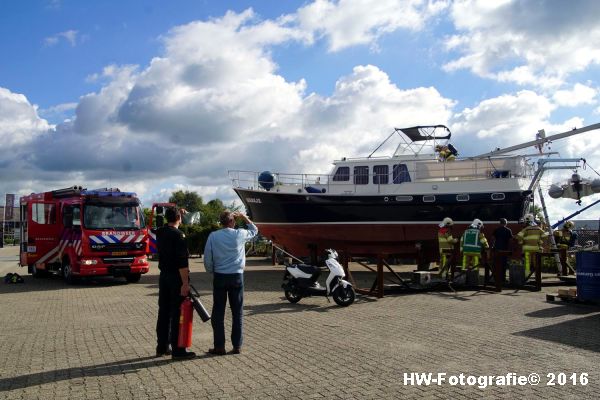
{"type": "Point", "coordinates": [133, 278]}
{"type": "Point", "coordinates": [67, 272]}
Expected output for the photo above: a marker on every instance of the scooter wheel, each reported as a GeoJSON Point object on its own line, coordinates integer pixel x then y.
{"type": "Point", "coordinates": [292, 296]}
{"type": "Point", "coordinates": [344, 296]}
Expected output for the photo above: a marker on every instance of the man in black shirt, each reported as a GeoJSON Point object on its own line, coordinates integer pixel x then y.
{"type": "Point", "coordinates": [502, 237]}
{"type": "Point", "coordinates": [173, 285]}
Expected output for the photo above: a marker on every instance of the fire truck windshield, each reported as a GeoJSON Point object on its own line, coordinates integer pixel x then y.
{"type": "Point", "coordinates": [113, 216]}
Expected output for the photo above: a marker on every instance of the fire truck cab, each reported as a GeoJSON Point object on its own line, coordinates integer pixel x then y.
{"type": "Point", "coordinates": [82, 233]}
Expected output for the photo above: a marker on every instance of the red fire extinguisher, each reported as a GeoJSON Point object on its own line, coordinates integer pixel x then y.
{"type": "Point", "coordinates": [186, 317]}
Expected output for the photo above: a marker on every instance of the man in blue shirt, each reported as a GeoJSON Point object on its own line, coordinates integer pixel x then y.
{"type": "Point", "coordinates": [225, 258]}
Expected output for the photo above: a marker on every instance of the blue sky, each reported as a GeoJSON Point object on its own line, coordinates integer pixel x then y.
{"type": "Point", "coordinates": [161, 95]}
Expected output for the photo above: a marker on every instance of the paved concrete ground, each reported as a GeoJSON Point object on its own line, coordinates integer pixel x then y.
{"type": "Point", "coordinates": [96, 341]}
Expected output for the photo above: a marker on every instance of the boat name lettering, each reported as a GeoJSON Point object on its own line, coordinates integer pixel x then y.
{"type": "Point", "coordinates": [253, 200]}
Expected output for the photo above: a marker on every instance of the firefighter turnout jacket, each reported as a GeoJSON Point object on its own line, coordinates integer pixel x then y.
{"type": "Point", "coordinates": [564, 238]}
{"type": "Point", "coordinates": [472, 241]}
{"type": "Point", "coordinates": [531, 238]}
{"type": "Point", "coordinates": [445, 239]}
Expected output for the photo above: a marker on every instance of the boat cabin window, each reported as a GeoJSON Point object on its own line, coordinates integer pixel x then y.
{"type": "Point", "coordinates": [428, 199]}
{"type": "Point", "coordinates": [400, 173]}
{"type": "Point", "coordinates": [361, 175]}
{"type": "Point", "coordinates": [342, 174]}
{"type": "Point", "coordinates": [381, 174]}
{"type": "Point", "coordinates": [498, 196]}
{"type": "Point", "coordinates": [462, 197]}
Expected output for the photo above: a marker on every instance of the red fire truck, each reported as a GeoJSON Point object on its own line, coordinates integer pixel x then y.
{"type": "Point", "coordinates": [82, 233]}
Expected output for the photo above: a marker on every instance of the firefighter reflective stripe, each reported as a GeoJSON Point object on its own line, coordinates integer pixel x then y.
{"type": "Point", "coordinates": [470, 260]}
{"type": "Point", "coordinates": [470, 242]}
{"type": "Point", "coordinates": [527, 255]}
{"type": "Point", "coordinates": [67, 239]}
{"type": "Point", "coordinates": [531, 238]}
{"type": "Point", "coordinates": [445, 239]}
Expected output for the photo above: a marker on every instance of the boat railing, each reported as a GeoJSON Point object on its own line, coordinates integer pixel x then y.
{"type": "Point", "coordinates": [430, 171]}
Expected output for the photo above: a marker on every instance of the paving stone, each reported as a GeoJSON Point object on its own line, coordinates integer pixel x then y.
{"type": "Point", "coordinates": [96, 340]}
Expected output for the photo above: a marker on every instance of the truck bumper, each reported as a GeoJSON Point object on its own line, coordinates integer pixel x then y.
{"type": "Point", "coordinates": [138, 266]}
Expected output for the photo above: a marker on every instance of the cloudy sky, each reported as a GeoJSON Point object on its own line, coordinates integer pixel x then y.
{"type": "Point", "coordinates": [154, 96]}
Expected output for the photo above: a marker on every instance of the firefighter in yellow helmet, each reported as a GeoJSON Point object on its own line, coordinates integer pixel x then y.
{"type": "Point", "coordinates": [446, 243]}
{"type": "Point", "coordinates": [471, 244]}
{"type": "Point", "coordinates": [445, 153]}
{"type": "Point", "coordinates": [531, 238]}
{"type": "Point", "coordinates": [565, 238]}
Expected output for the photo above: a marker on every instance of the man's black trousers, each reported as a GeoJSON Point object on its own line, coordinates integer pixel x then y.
{"type": "Point", "coordinates": [169, 302]}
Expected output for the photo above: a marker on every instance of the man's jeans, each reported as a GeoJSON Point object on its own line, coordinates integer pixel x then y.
{"type": "Point", "coordinates": [224, 286]}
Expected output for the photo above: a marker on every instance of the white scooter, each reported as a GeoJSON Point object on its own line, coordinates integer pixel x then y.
{"type": "Point", "coordinates": [301, 280]}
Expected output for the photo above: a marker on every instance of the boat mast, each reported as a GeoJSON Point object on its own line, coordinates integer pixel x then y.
{"type": "Point", "coordinates": [540, 141]}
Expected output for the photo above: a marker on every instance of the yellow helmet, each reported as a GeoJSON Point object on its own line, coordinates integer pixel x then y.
{"type": "Point", "coordinates": [569, 224]}
{"type": "Point", "coordinates": [447, 222]}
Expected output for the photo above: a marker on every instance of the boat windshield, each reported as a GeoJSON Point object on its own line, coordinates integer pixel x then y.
{"type": "Point", "coordinates": [113, 216]}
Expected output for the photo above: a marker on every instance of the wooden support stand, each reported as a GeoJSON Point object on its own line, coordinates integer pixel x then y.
{"type": "Point", "coordinates": [378, 287]}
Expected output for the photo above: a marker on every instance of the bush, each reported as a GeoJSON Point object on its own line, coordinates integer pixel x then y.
{"type": "Point", "coordinates": [196, 236]}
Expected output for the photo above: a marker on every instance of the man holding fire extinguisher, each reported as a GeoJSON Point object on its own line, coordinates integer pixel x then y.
{"type": "Point", "coordinates": [173, 285]}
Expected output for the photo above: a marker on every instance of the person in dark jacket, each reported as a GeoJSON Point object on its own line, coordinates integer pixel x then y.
{"type": "Point", "coordinates": [502, 238]}
{"type": "Point", "coordinates": [173, 285]}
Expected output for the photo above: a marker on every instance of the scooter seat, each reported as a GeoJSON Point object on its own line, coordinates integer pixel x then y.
{"type": "Point", "coordinates": [307, 269]}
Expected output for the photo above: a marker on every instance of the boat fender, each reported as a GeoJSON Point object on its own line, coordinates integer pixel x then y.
{"type": "Point", "coordinates": [266, 180]}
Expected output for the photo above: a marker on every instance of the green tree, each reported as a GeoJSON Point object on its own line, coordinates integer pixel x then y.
{"type": "Point", "coordinates": [147, 213]}
{"type": "Point", "coordinates": [191, 201]}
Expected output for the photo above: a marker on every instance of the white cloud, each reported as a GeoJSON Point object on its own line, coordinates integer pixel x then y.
{"type": "Point", "coordinates": [58, 113]}
{"type": "Point", "coordinates": [19, 120]}
{"type": "Point", "coordinates": [501, 122]}
{"type": "Point", "coordinates": [539, 43]}
{"type": "Point", "coordinates": [71, 36]}
{"type": "Point", "coordinates": [580, 94]}
{"type": "Point", "coordinates": [215, 83]}
{"type": "Point", "coordinates": [346, 23]}
{"type": "Point", "coordinates": [362, 111]}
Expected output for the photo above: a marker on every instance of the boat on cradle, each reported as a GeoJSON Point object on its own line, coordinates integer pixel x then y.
{"type": "Point", "coordinates": [393, 204]}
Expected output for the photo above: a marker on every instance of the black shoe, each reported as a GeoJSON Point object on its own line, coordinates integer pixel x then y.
{"type": "Point", "coordinates": [186, 355]}
{"type": "Point", "coordinates": [163, 352]}
{"type": "Point", "coordinates": [217, 352]}
{"type": "Point", "coordinates": [235, 350]}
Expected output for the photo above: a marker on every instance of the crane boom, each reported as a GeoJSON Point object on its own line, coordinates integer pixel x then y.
{"type": "Point", "coordinates": [540, 141]}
